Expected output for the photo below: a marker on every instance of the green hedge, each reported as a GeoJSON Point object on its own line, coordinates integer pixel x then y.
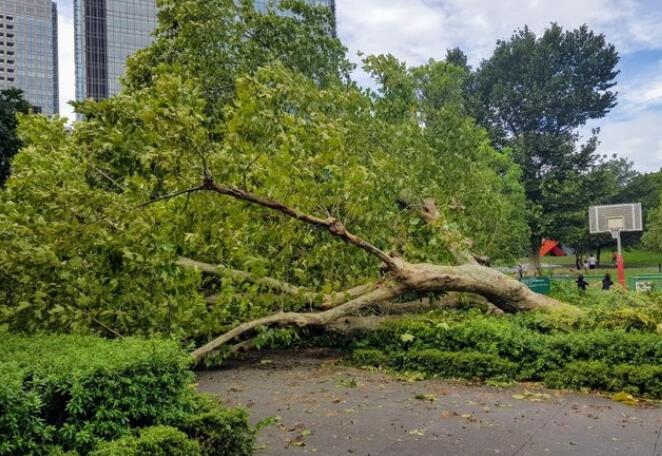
{"type": "Point", "coordinates": [72, 392]}
{"type": "Point", "coordinates": [152, 441]}
{"type": "Point", "coordinates": [473, 345]}
{"type": "Point", "coordinates": [457, 364]}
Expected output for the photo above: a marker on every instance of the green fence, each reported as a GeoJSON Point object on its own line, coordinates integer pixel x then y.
{"type": "Point", "coordinates": [645, 282]}
{"type": "Point", "coordinates": [642, 282]}
{"type": "Point", "coordinates": [540, 285]}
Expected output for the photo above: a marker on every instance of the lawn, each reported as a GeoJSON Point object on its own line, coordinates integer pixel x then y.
{"type": "Point", "coordinates": [636, 257]}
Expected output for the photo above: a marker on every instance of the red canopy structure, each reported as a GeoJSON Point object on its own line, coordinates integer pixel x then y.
{"type": "Point", "coordinates": [551, 247]}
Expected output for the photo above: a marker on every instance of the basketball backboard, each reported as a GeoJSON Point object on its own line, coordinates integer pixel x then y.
{"type": "Point", "coordinates": [615, 218]}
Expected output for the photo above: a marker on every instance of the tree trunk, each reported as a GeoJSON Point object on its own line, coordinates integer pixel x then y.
{"type": "Point", "coordinates": [507, 294]}
{"type": "Point", "coordinates": [535, 265]}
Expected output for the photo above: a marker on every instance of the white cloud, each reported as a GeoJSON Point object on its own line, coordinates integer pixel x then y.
{"type": "Point", "coordinates": [66, 54]}
{"type": "Point", "coordinates": [639, 139]}
{"type": "Point", "coordinates": [642, 92]}
{"type": "Point", "coordinates": [416, 30]}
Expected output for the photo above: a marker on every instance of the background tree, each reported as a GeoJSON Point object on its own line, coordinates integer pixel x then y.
{"type": "Point", "coordinates": [652, 238]}
{"type": "Point", "coordinates": [11, 104]}
{"type": "Point", "coordinates": [532, 95]}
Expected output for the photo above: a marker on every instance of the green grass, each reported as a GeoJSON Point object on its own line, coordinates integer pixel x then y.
{"type": "Point", "coordinates": [635, 257]}
{"type": "Point", "coordinates": [637, 262]}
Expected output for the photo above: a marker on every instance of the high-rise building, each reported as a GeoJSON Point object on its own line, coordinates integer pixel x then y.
{"type": "Point", "coordinates": [109, 31]}
{"type": "Point", "coordinates": [28, 51]}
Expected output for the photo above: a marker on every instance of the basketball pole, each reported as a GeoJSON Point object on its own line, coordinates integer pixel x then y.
{"type": "Point", "coordinates": [620, 264]}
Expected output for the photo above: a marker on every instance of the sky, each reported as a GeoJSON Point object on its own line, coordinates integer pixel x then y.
{"type": "Point", "coordinates": [417, 30]}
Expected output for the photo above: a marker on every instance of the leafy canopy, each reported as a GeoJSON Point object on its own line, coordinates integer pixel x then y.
{"type": "Point", "coordinates": [532, 94]}
{"type": "Point", "coordinates": [81, 251]}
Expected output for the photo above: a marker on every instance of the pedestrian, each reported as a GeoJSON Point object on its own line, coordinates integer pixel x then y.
{"type": "Point", "coordinates": [606, 282]}
{"type": "Point", "coordinates": [592, 262]}
{"type": "Point", "coordinates": [520, 272]}
{"type": "Point", "coordinates": [581, 283]}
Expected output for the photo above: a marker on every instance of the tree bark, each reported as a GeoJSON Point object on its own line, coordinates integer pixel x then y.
{"type": "Point", "coordinates": [535, 265]}
{"type": "Point", "coordinates": [507, 294]}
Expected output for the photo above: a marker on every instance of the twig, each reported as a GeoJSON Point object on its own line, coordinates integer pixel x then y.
{"type": "Point", "coordinates": [171, 196]}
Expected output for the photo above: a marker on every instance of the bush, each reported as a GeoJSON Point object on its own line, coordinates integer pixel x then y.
{"type": "Point", "coordinates": [216, 430]}
{"type": "Point", "coordinates": [642, 379]}
{"type": "Point", "coordinates": [471, 344]}
{"type": "Point", "coordinates": [22, 431]}
{"type": "Point", "coordinates": [459, 364]}
{"type": "Point", "coordinates": [153, 441]}
{"type": "Point", "coordinates": [73, 392]}
{"type": "Point", "coordinates": [369, 357]}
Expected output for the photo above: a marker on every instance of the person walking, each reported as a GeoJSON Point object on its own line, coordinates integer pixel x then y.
{"type": "Point", "coordinates": [607, 282]}
{"type": "Point", "coordinates": [581, 283]}
{"type": "Point", "coordinates": [592, 262]}
{"type": "Point", "coordinates": [520, 272]}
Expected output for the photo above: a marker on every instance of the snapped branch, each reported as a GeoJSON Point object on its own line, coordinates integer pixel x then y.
{"type": "Point", "coordinates": [331, 224]}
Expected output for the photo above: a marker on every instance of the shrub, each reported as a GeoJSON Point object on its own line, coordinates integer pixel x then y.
{"type": "Point", "coordinates": [642, 379]}
{"type": "Point", "coordinates": [74, 391]}
{"type": "Point", "coordinates": [216, 430]}
{"type": "Point", "coordinates": [22, 431]}
{"type": "Point", "coordinates": [153, 441]}
{"type": "Point", "coordinates": [465, 364]}
{"type": "Point", "coordinates": [369, 357]}
{"type": "Point", "coordinates": [471, 344]}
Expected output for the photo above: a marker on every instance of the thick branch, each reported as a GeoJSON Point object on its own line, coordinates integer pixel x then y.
{"type": "Point", "coordinates": [506, 293]}
{"type": "Point", "coordinates": [327, 301]}
{"type": "Point", "coordinates": [220, 270]}
{"type": "Point", "coordinates": [381, 294]}
{"type": "Point", "coordinates": [331, 224]}
{"type": "Point", "coordinates": [457, 244]}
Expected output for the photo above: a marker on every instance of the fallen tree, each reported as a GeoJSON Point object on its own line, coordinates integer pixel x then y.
{"type": "Point", "coordinates": [400, 277]}
{"type": "Point", "coordinates": [404, 166]}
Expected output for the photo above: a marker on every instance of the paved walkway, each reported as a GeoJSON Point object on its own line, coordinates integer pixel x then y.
{"type": "Point", "coordinates": [322, 408]}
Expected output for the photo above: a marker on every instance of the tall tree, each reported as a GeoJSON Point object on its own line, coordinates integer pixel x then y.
{"type": "Point", "coordinates": [533, 94]}
{"type": "Point", "coordinates": [11, 104]}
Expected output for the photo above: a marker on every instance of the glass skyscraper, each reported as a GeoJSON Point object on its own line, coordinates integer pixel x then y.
{"type": "Point", "coordinates": [28, 51]}
{"type": "Point", "coordinates": [109, 31]}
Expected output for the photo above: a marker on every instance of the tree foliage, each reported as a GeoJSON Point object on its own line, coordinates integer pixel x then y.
{"type": "Point", "coordinates": [81, 251]}
{"type": "Point", "coordinates": [532, 94]}
{"type": "Point", "coordinates": [12, 103]}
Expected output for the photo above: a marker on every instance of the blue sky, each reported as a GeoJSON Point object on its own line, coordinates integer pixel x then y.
{"type": "Point", "coordinates": [416, 30]}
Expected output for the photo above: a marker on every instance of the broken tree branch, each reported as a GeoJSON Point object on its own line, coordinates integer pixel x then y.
{"type": "Point", "coordinates": [327, 301]}
{"type": "Point", "coordinates": [221, 270]}
{"type": "Point", "coordinates": [380, 294]}
{"type": "Point", "coordinates": [331, 224]}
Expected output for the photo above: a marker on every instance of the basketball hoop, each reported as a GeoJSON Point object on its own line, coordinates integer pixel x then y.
{"type": "Point", "coordinates": [616, 219]}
